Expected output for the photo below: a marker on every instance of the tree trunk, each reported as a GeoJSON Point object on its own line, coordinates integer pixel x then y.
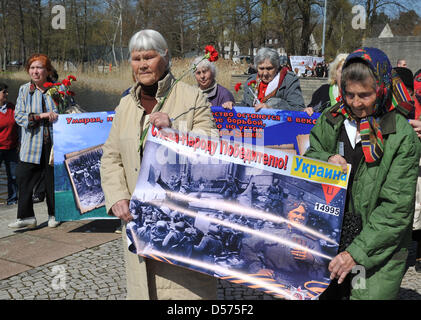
{"type": "Point", "coordinates": [114, 41]}
{"type": "Point", "coordinates": [39, 25]}
{"type": "Point", "coordinates": [85, 32]}
{"type": "Point", "coordinates": [22, 32]}
{"type": "Point", "coordinates": [305, 10]}
{"type": "Point", "coordinates": [4, 38]}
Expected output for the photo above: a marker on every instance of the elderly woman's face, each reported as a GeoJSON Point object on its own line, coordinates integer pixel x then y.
{"type": "Point", "coordinates": [266, 71]}
{"type": "Point", "coordinates": [204, 77]}
{"type": "Point", "coordinates": [361, 97]}
{"type": "Point", "coordinates": [148, 66]}
{"type": "Point", "coordinates": [38, 72]}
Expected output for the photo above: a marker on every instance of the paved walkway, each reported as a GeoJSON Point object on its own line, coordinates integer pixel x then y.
{"type": "Point", "coordinates": [84, 261]}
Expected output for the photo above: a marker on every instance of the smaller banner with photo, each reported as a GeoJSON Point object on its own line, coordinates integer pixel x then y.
{"type": "Point", "coordinates": [78, 140]}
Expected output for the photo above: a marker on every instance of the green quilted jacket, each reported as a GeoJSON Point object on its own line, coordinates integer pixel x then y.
{"type": "Point", "coordinates": [384, 195]}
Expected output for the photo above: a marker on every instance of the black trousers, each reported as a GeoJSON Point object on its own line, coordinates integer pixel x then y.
{"type": "Point", "coordinates": [28, 174]}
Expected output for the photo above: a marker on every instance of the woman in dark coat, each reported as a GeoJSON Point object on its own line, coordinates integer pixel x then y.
{"type": "Point", "coordinates": [272, 87]}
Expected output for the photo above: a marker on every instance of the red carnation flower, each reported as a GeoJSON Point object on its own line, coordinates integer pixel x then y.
{"type": "Point", "coordinates": [252, 82]}
{"type": "Point", "coordinates": [237, 86]}
{"type": "Point", "coordinates": [61, 93]}
{"type": "Point", "coordinates": [48, 84]}
{"type": "Point", "coordinates": [70, 93]}
{"type": "Point", "coordinates": [71, 78]}
{"type": "Point", "coordinates": [66, 82]}
{"type": "Point", "coordinates": [212, 53]}
{"type": "Point", "coordinates": [57, 84]}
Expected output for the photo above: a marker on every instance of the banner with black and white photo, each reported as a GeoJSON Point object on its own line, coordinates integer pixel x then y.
{"type": "Point", "coordinates": [261, 217]}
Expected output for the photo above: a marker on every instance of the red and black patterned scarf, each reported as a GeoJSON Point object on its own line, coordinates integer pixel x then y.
{"type": "Point", "coordinates": [391, 95]}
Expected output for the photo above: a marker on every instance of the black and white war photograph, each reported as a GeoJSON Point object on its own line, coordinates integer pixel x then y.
{"type": "Point", "coordinates": [83, 169]}
{"type": "Point", "coordinates": [234, 221]}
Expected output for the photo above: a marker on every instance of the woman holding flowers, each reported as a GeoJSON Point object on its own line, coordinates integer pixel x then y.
{"type": "Point", "coordinates": [35, 112]}
{"type": "Point", "coordinates": [272, 87]}
{"type": "Point", "coordinates": [159, 99]}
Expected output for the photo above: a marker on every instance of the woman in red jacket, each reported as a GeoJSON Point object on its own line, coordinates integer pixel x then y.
{"type": "Point", "coordinates": [8, 143]}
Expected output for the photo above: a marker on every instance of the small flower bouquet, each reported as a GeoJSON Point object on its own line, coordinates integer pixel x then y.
{"type": "Point", "coordinates": [61, 93]}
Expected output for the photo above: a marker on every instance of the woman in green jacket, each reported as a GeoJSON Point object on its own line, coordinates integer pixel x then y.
{"type": "Point", "coordinates": [368, 129]}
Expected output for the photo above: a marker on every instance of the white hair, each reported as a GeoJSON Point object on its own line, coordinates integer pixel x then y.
{"type": "Point", "coordinates": [267, 53]}
{"type": "Point", "coordinates": [333, 67]}
{"type": "Point", "coordinates": [199, 62]}
{"type": "Point", "coordinates": [149, 40]}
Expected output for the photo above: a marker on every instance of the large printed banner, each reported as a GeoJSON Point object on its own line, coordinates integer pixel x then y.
{"type": "Point", "coordinates": [299, 63]}
{"type": "Point", "coordinates": [257, 216]}
{"type": "Point", "coordinates": [284, 130]}
{"type": "Point", "coordinates": [78, 140]}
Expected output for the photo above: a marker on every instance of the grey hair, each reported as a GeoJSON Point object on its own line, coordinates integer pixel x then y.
{"type": "Point", "coordinates": [267, 53]}
{"type": "Point", "coordinates": [149, 40]}
{"type": "Point", "coordinates": [199, 62]}
{"type": "Point", "coordinates": [333, 67]}
{"type": "Point", "coordinates": [357, 71]}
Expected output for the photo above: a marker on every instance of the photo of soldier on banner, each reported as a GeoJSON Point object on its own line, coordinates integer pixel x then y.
{"type": "Point", "coordinates": [260, 217]}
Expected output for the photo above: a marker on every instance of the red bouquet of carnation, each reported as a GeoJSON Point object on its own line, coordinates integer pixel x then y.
{"type": "Point", "coordinates": [60, 93]}
{"type": "Point", "coordinates": [211, 53]}
{"type": "Point", "coordinates": [238, 87]}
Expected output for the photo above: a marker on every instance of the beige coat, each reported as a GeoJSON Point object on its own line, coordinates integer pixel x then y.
{"type": "Point", "coordinates": [120, 165]}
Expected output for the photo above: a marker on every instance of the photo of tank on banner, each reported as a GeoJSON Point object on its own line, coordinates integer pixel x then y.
{"type": "Point", "coordinates": [252, 215]}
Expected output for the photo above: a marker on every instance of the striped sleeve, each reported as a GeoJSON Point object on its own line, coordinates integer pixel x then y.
{"type": "Point", "coordinates": [21, 114]}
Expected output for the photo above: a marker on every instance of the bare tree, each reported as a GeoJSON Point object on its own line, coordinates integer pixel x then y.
{"type": "Point", "coordinates": [22, 43]}
{"type": "Point", "coordinates": [4, 54]}
{"type": "Point", "coordinates": [374, 7]}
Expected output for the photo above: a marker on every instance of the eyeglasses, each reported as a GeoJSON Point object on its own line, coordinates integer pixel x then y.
{"type": "Point", "coordinates": [4, 91]}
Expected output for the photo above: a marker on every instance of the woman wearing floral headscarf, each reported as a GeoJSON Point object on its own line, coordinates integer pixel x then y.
{"type": "Point", "coordinates": [368, 129]}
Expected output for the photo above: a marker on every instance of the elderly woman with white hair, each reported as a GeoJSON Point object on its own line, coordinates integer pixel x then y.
{"type": "Point", "coordinates": [158, 99]}
{"type": "Point", "coordinates": [272, 87]}
{"type": "Point", "coordinates": [328, 94]}
{"type": "Point", "coordinates": [205, 74]}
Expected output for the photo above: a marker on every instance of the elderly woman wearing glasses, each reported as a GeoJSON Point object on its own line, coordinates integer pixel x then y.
{"type": "Point", "coordinates": [272, 87]}
{"type": "Point", "coordinates": [35, 113]}
{"type": "Point", "coordinates": [156, 98]}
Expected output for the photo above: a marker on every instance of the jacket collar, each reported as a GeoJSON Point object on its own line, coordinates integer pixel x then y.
{"type": "Point", "coordinates": [387, 121]}
{"type": "Point", "coordinates": [163, 86]}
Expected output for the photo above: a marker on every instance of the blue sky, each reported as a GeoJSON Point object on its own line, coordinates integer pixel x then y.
{"type": "Point", "coordinates": [75, 137]}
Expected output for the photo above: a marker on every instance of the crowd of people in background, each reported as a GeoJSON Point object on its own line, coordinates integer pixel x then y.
{"type": "Point", "coordinates": [355, 103]}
